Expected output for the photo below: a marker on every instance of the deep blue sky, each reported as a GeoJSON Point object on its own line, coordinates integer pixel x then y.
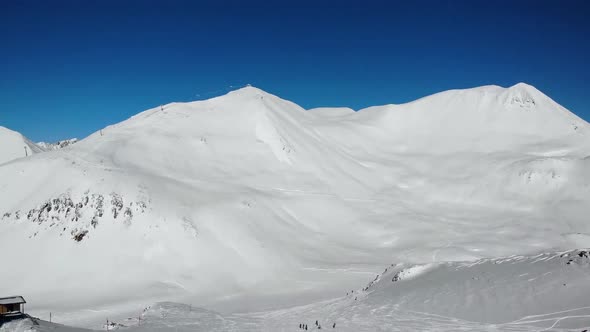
{"type": "Point", "coordinates": [69, 68]}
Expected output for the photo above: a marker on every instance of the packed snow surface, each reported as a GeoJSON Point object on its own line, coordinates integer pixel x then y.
{"type": "Point", "coordinates": [248, 202]}
{"type": "Point", "coordinates": [545, 292]}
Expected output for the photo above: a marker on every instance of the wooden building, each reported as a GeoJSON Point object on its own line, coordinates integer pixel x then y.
{"type": "Point", "coordinates": [11, 305]}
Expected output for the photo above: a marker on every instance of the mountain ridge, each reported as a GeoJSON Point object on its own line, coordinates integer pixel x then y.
{"type": "Point", "coordinates": [282, 195]}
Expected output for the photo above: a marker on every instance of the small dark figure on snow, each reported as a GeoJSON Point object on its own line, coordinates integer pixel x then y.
{"type": "Point", "coordinates": [316, 323]}
{"type": "Point", "coordinates": [300, 326]}
{"type": "Point", "coordinates": [334, 326]}
{"type": "Point", "coordinates": [305, 327]}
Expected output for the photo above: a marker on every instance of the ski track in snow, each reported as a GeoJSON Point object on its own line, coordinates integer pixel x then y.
{"type": "Point", "coordinates": [357, 317]}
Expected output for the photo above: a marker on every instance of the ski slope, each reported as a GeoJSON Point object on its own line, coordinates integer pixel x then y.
{"type": "Point", "coordinates": [248, 202]}
{"type": "Point", "coordinates": [544, 292]}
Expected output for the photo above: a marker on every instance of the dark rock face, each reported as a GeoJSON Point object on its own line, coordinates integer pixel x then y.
{"type": "Point", "coordinates": [581, 257]}
{"type": "Point", "coordinates": [80, 235]}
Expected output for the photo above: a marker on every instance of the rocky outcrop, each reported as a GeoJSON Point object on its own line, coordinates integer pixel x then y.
{"type": "Point", "coordinates": [78, 216]}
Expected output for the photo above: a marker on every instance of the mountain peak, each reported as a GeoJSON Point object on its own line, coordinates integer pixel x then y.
{"type": "Point", "coordinates": [248, 90]}
{"type": "Point", "coordinates": [523, 86]}
{"type": "Point", "coordinates": [244, 93]}
{"type": "Point", "coordinates": [523, 95]}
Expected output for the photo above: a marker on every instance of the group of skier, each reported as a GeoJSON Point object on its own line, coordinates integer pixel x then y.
{"type": "Point", "coordinates": [317, 324]}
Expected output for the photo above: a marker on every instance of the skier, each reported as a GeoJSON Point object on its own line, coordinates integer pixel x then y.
{"type": "Point", "coordinates": [334, 326]}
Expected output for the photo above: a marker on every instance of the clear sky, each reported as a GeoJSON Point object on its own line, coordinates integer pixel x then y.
{"type": "Point", "coordinates": [69, 68]}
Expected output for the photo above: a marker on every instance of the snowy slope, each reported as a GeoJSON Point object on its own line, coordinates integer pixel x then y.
{"type": "Point", "coordinates": [32, 324]}
{"type": "Point", "coordinates": [13, 145]}
{"type": "Point", "coordinates": [548, 291]}
{"type": "Point", "coordinates": [224, 202]}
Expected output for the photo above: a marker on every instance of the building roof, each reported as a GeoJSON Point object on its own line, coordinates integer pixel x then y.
{"type": "Point", "coordinates": [12, 300]}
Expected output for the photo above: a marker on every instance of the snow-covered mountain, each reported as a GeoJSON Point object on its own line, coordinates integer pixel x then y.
{"type": "Point", "coordinates": [13, 145]}
{"type": "Point", "coordinates": [57, 145]}
{"type": "Point", "coordinates": [249, 201]}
